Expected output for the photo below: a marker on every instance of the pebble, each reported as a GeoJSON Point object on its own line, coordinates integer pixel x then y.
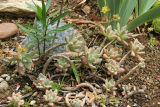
{"type": "Point", "coordinates": [1, 79]}
{"type": "Point", "coordinates": [4, 75]}
{"type": "Point", "coordinates": [7, 30]}
{"type": "Point", "coordinates": [3, 85]}
{"type": "Point", "coordinates": [32, 102]}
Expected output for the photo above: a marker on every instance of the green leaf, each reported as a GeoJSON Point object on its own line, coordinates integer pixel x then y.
{"type": "Point", "coordinates": [33, 28]}
{"type": "Point", "coordinates": [39, 12]}
{"type": "Point", "coordinates": [48, 4]}
{"type": "Point", "coordinates": [55, 86]}
{"type": "Point", "coordinates": [62, 28]}
{"type": "Point", "coordinates": [54, 13]}
{"type": "Point", "coordinates": [75, 71]}
{"type": "Point", "coordinates": [32, 43]}
{"type": "Point", "coordinates": [146, 17]}
{"type": "Point", "coordinates": [126, 11]}
{"type": "Point", "coordinates": [31, 6]}
{"type": "Point", "coordinates": [25, 29]}
{"type": "Point", "coordinates": [44, 13]}
{"type": "Point", "coordinates": [144, 5]}
{"type": "Point", "coordinates": [60, 16]}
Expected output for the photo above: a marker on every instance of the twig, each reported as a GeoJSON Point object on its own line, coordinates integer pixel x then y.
{"type": "Point", "coordinates": [67, 98]}
{"type": "Point", "coordinates": [82, 85]}
{"type": "Point", "coordinates": [124, 57]}
{"type": "Point", "coordinates": [127, 75]}
{"type": "Point", "coordinates": [50, 59]}
{"type": "Point", "coordinates": [58, 75]}
{"type": "Point", "coordinates": [52, 48]}
{"type": "Point", "coordinates": [71, 55]}
{"type": "Point", "coordinates": [106, 46]}
{"type": "Point", "coordinates": [88, 22]}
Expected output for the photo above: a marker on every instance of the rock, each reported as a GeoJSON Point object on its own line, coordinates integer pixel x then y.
{"type": "Point", "coordinates": [3, 86]}
{"type": "Point", "coordinates": [7, 30]}
{"type": "Point", "coordinates": [18, 7]}
{"type": "Point", "coordinates": [1, 79]}
{"type": "Point", "coordinates": [60, 38]}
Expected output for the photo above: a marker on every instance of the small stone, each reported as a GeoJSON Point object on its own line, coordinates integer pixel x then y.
{"type": "Point", "coordinates": [4, 75]}
{"type": "Point", "coordinates": [8, 78]}
{"type": "Point", "coordinates": [1, 79]}
{"type": "Point", "coordinates": [3, 85]}
{"type": "Point", "coordinates": [7, 30]}
{"type": "Point", "coordinates": [32, 102]}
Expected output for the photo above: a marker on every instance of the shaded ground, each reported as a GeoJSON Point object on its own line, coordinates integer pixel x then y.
{"type": "Point", "coordinates": [148, 77]}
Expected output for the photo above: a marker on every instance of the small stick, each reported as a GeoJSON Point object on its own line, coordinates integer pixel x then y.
{"type": "Point", "coordinates": [67, 99]}
{"type": "Point", "coordinates": [124, 57]}
{"type": "Point", "coordinates": [127, 75]}
{"type": "Point", "coordinates": [82, 85]}
{"type": "Point", "coordinates": [106, 46]}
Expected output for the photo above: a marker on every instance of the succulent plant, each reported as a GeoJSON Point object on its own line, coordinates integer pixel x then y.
{"type": "Point", "coordinates": [51, 96]}
{"type": "Point", "coordinates": [93, 56]}
{"type": "Point", "coordinates": [62, 65]}
{"type": "Point", "coordinates": [110, 33]}
{"type": "Point", "coordinates": [112, 53]}
{"type": "Point", "coordinates": [136, 48]}
{"type": "Point", "coordinates": [113, 67]}
{"type": "Point", "coordinates": [16, 98]}
{"type": "Point", "coordinates": [128, 88]}
{"type": "Point", "coordinates": [156, 25]}
{"type": "Point", "coordinates": [75, 43]}
{"type": "Point", "coordinates": [43, 82]}
{"type": "Point", "coordinates": [75, 103]}
{"type": "Point", "coordinates": [109, 84]}
{"type": "Point", "coordinates": [122, 34]}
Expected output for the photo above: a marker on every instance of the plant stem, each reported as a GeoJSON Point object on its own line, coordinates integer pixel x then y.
{"type": "Point", "coordinates": [124, 57]}
{"type": "Point", "coordinates": [44, 41]}
{"type": "Point", "coordinates": [127, 75]}
{"type": "Point", "coordinates": [106, 46]}
{"type": "Point", "coordinates": [39, 51]}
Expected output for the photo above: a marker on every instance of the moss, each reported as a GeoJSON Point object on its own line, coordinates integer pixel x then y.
{"type": "Point", "coordinates": [156, 25]}
{"type": "Point", "coordinates": [157, 3]}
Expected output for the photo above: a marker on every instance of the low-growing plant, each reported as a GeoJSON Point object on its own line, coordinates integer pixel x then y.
{"type": "Point", "coordinates": [46, 19]}
{"type": "Point", "coordinates": [51, 97]}
{"type": "Point", "coordinates": [16, 100]}
{"type": "Point", "coordinates": [43, 82]}
{"type": "Point", "coordinates": [22, 58]}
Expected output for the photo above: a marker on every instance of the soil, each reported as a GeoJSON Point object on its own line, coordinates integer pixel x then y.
{"type": "Point", "coordinates": [148, 77]}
